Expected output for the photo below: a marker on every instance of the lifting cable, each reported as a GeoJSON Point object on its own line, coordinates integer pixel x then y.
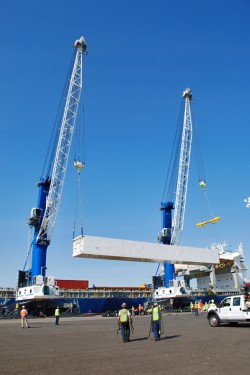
{"type": "Point", "coordinates": [169, 190]}
{"type": "Point", "coordinates": [79, 166]}
{"type": "Point", "coordinates": [201, 174]}
{"type": "Point", "coordinates": [51, 150]}
{"type": "Point", "coordinates": [79, 162]}
{"type": "Point", "coordinates": [29, 251]}
{"type": "Point", "coordinates": [172, 173]}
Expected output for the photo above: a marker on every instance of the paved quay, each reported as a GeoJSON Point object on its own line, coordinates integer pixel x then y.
{"type": "Point", "coordinates": [91, 345]}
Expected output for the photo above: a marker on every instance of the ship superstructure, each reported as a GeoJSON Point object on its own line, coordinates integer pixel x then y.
{"type": "Point", "coordinates": [226, 277]}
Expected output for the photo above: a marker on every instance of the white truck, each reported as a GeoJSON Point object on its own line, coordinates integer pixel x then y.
{"type": "Point", "coordinates": [232, 310]}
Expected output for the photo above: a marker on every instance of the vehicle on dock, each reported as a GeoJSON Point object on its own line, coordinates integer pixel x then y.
{"type": "Point", "coordinates": [232, 310]}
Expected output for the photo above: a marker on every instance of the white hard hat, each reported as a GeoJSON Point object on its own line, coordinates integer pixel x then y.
{"type": "Point", "coordinates": [23, 307]}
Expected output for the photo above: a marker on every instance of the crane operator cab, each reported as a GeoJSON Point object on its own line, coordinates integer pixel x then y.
{"type": "Point", "coordinates": [35, 216]}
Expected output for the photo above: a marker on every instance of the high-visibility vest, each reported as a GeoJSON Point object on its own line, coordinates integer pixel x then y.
{"type": "Point", "coordinates": [155, 313]}
{"type": "Point", "coordinates": [57, 312]}
{"type": "Point", "coordinates": [123, 315]}
{"type": "Point", "coordinates": [23, 313]}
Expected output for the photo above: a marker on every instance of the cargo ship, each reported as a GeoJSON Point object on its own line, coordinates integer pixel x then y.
{"type": "Point", "coordinates": [229, 277]}
{"type": "Point", "coordinates": [75, 296]}
{"type": "Point", "coordinates": [72, 296]}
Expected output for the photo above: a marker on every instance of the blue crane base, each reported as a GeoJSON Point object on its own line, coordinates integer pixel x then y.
{"type": "Point", "coordinates": [166, 209]}
{"type": "Point", "coordinates": [39, 260]}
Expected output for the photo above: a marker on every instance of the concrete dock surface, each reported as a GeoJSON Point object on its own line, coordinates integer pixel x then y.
{"type": "Point", "coordinates": [91, 345]}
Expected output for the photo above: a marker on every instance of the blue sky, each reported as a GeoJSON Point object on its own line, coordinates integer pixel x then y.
{"type": "Point", "coordinates": [141, 56]}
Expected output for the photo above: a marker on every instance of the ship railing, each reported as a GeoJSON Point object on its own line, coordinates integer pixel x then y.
{"type": "Point", "coordinates": [103, 293]}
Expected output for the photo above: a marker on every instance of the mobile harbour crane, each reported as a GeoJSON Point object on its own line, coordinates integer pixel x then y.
{"type": "Point", "coordinates": [33, 284]}
{"type": "Point", "coordinates": [176, 198]}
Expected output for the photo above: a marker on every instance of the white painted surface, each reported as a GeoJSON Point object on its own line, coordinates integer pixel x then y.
{"type": "Point", "coordinates": [116, 249]}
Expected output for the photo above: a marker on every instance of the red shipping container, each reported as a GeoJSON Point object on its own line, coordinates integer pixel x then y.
{"type": "Point", "coordinates": [72, 284]}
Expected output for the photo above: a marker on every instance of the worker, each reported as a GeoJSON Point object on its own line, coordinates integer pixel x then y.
{"type": "Point", "coordinates": [140, 310]}
{"type": "Point", "coordinates": [196, 309]}
{"type": "Point", "coordinates": [205, 307]}
{"type": "Point", "coordinates": [57, 315]}
{"type": "Point", "coordinates": [133, 310]}
{"type": "Point", "coordinates": [247, 300]}
{"type": "Point", "coordinates": [191, 306]}
{"type": "Point", "coordinates": [24, 314]}
{"type": "Point", "coordinates": [156, 320]}
{"type": "Point", "coordinates": [212, 304]}
{"type": "Point", "coordinates": [124, 321]}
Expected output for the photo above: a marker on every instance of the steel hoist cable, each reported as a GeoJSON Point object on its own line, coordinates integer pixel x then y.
{"type": "Point", "coordinates": [79, 160]}
{"type": "Point", "coordinates": [78, 206]}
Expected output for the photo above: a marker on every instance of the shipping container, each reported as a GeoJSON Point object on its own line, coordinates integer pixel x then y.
{"type": "Point", "coordinates": [72, 284]}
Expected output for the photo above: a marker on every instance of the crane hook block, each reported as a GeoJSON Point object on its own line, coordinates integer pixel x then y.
{"type": "Point", "coordinates": [202, 184]}
{"type": "Point", "coordinates": [79, 165]}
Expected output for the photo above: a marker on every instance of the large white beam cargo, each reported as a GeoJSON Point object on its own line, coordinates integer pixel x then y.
{"type": "Point", "coordinates": [117, 249]}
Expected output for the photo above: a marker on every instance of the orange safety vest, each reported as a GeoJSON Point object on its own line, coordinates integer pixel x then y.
{"type": "Point", "coordinates": [23, 313]}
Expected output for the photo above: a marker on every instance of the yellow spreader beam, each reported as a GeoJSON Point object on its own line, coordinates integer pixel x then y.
{"type": "Point", "coordinates": [212, 221]}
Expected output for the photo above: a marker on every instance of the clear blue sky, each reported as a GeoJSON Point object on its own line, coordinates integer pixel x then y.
{"type": "Point", "coordinates": [142, 55]}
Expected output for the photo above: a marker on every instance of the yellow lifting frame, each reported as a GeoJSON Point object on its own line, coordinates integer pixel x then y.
{"type": "Point", "coordinates": [212, 221]}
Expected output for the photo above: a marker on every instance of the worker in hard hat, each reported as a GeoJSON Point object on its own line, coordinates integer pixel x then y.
{"type": "Point", "coordinates": [196, 308]}
{"type": "Point", "coordinates": [23, 315]}
{"type": "Point", "coordinates": [140, 310]}
{"type": "Point", "coordinates": [212, 304]}
{"type": "Point", "coordinates": [156, 317]}
{"type": "Point", "coordinates": [124, 321]}
{"type": "Point", "coordinates": [57, 315]}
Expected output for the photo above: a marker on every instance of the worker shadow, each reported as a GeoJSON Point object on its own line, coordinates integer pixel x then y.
{"type": "Point", "coordinates": [169, 337]}
{"type": "Point", "coordinates": [139, 339]}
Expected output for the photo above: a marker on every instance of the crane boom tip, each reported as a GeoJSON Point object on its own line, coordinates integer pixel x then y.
{"type": "Point", "coordinates": [81, 44]}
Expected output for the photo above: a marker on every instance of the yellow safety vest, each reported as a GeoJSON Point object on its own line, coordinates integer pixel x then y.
{"type": "Point", "coordinates": [57, 312]}
{"type": "Point", "coordinates": [155, 313]}
{"type": "Point", "coordinates": [123, 315]}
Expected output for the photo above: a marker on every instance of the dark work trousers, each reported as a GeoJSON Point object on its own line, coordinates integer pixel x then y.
{"type": "Point", "coordinates": [156, 329]}
{"type": "Point", "coordinates": [125, 331]}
